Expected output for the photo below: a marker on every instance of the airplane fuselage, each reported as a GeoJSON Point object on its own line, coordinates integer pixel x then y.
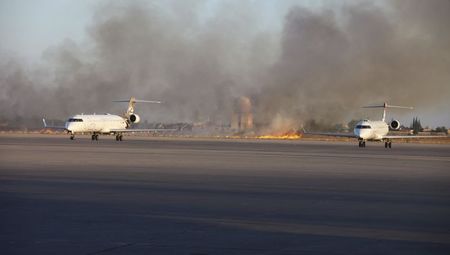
{"type": "Point", "coordinates": [95, 123]}
{"type": "Point", "coordinates": [368, 130]}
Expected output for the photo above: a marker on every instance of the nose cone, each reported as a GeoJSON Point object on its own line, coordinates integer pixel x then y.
{"type": "Point", "coordinates": [69, 126]}
{"type": "Point", "coordinates": [363, 130]}
{"type": "Point", "coordinates": [357, 132]}
{"type": "Point", "coordinates": [362, 133]}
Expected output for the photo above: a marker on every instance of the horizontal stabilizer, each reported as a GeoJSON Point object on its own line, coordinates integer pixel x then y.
{"type": "Point", "coordinates": [385, 105]}
{"type": "Point", "coordinates": [138, 101]}
{"type": "Point", "coordinates": [132, 101]}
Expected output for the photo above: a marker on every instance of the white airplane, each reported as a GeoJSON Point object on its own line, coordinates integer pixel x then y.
{"type": "Point", "coordinates": [96, 124]}
{"type": "Point", "coordinates": [370, 130]}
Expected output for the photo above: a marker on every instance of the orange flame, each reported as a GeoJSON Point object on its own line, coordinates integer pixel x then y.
{"type": "Point", "coordinates": [284, 136]}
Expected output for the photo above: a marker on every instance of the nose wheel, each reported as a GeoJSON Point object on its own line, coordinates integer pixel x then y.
{"type": "Point", "coordinates": [388, 144]}
{"type": "Point", "coordinates": [94, 137]}
{"type": "Point", "coordinates": [362, 144]}
{"type": "Point", "coordinates": [72, 137]}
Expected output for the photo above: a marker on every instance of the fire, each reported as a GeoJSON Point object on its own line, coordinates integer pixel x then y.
{"type": "Point", "coordinates": [284, 136]}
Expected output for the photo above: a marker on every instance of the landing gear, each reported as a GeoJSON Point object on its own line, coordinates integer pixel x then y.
{"type": "Point", "coordinates": [388, 144]}
{"type": "Point", "coordinates": [94, 137]}
{"type": "Point", "coordinates": [72, 137]}
{"type": "Point", "coordinates": [362, 144]}
{"type": "Point", "coordinates": [119, 137]}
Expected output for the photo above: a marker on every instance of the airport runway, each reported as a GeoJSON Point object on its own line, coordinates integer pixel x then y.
{"type": "Point", "coordinates": [191, 196]}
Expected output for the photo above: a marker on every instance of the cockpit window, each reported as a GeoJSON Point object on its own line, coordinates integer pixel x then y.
{"type": "Point", "coordinates": [75, 120]}
{"type": "Point", "coordinates": [363, 127]}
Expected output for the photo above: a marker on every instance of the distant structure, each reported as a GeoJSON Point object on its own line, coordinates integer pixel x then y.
{"type": "Point", "coordinates": [242, 116]}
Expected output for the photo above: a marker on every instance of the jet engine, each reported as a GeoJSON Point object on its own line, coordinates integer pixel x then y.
{"type": "Point", "coordinates": [134, 118]}
{"type": "Point", "coordinates": [395, 125]}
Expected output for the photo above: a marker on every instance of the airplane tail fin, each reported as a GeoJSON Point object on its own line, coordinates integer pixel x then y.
{"type": "Point", "coordinates": [132, 102]}
{"type": "Point", "coordinates": [385, 105]}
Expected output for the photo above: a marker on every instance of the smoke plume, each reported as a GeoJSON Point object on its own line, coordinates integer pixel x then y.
{"type": "Point", "coordinates": [334, 61]}
{"type": "Point", "coordinates": [324, 64]}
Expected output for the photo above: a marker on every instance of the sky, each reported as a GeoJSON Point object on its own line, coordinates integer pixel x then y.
{"type": "Point", "coordinates": [295, 59]}
{"type": "Point", "coordinates": [33, 26]}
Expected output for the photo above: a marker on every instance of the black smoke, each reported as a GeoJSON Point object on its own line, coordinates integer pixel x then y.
{"type": "Point", "coordinates": [334, 61]}
{"type": "Point", "coordinates": [325, 63]}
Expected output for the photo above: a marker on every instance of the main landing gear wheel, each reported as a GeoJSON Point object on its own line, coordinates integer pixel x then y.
{"type": "Point", "coordinates": [72, 137]}
{"type": "Point", "coordinates": [387, 144]}
{"type": "Point", "coordinates": [94, 137]}
{"type": "Point", "coordinates": [119, 137]}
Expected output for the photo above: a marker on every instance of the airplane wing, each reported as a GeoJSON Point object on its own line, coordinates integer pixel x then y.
{"type": "Point", "coordinates": [350, 135]}
{"type": "Point", "coordinates": [141, 130]}
{"type": "Point", "coordinates": [53, 127]}
{"type": "Point", "coordinates": [413, 136]}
